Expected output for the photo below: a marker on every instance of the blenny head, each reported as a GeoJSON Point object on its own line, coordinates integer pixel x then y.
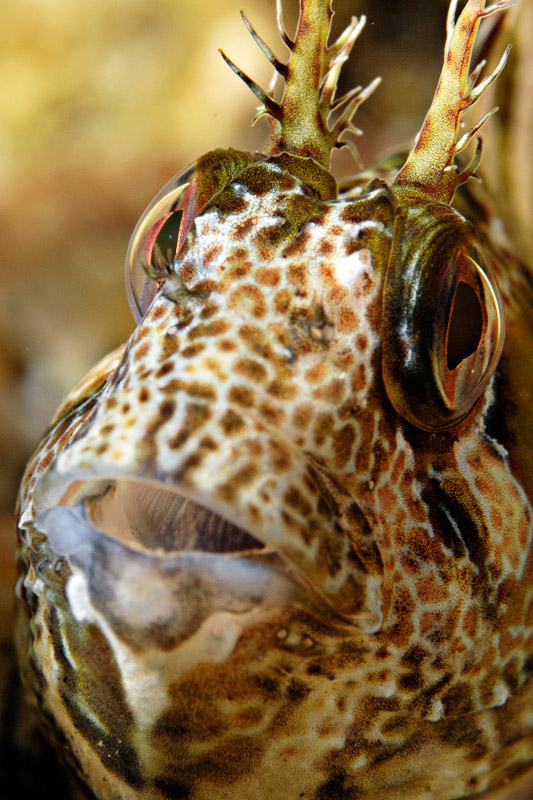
{"type": "Point", "coordinates": [276, 531]}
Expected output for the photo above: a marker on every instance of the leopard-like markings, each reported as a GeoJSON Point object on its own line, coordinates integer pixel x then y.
{"type": "Point", "coordinates": [280, 544]}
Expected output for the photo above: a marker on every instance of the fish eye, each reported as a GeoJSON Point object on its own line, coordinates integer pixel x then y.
{"type": "Point", "coordinates": [472, 324]}
{"type": "Point", "coordinates": [443, 320]}
{"type": "Point", "coordinates": [155, 241]}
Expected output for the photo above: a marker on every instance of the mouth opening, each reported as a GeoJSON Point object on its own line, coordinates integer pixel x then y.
{"type": "Point", "coordinates": [155, 517]}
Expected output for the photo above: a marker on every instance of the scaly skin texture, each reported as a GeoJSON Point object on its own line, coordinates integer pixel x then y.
{"type": "Point", "coordinates": [374, 638]}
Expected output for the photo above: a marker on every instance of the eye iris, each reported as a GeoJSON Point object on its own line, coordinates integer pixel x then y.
{"type": "Point", "coordinates": [466, 326]}
{"type": "Point", "coordinates": [473, 340]}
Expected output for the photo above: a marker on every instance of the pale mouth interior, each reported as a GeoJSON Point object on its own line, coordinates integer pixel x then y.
{"type": "Point", "coordinates": [150, 516]}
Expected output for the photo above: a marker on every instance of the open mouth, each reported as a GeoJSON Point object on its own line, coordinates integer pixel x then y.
{"type": "Point", "coordinates": [147, 559]}
{"type": "Point", "coordinates": [157, 518]}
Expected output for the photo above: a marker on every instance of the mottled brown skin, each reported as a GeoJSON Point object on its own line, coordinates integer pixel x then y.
{"type": "Point", "coordinates": [374, 638]}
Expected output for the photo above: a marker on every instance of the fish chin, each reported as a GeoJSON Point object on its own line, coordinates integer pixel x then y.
{"type": "Point", "coordinates": [154, 565]}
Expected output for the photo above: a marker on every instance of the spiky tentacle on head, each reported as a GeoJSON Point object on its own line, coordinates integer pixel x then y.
{"type": "Point", "coordinates": [301, 121]}
{"type": "Point", "coordinates": [430, 168]}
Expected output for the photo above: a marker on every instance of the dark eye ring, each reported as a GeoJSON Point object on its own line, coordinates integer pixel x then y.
{"type": "Point", "coordinates": [443, 318]}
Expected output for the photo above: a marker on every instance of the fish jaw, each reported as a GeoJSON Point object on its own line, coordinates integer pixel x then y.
{"type": "Point", "coordinates": [137, 716]}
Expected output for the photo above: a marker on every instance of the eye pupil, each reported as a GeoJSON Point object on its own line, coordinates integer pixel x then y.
{"type": "Point", "coordinates": [466, 325]}
{"type": "Point", "coordinates": [166, 243]}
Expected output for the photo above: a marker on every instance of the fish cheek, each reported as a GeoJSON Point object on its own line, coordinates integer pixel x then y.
{"type": "Point", "coordinates": [225, 715]}
{"type": "Point", "coordinates": [87, 698]}
{"type": "Point", "coordinates": [96, 708]}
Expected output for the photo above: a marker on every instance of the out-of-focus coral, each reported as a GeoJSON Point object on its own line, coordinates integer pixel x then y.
{"type": "Point", "coordinates": [508, 139]}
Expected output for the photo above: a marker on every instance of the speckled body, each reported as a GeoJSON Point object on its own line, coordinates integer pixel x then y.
{"type": "Point", "coordinates": [376, 638]}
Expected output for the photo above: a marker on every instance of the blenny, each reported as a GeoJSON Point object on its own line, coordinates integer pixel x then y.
{"type": "Point", "coordinates": [279, 545]}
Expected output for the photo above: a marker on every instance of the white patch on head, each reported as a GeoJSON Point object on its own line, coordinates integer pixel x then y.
{"type": "Point", "coordinates": [501, 694]}
{"type": "Point", "coordinates": [353, 266]}
{"type": "Point", "coordinates": [38, 587]}
{"type": "Point", "coordinates": [77, 591]}
{"type": "Point", "coordinates": [436, 711]}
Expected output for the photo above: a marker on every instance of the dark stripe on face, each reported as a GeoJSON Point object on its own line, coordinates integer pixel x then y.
{"type": "Point", "coordinates": [500, 410]}
{"type": "Point", "coordinates": [172, 789]}
{"type": "Point", "coordinates": [91, 688]}
{"type": "Point", "coordinates": [457, 521]}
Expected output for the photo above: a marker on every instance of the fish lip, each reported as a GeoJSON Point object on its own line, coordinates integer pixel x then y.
{"type": "Point", "coordinates": [355, 602]}
{"type": "Point", "coordinates": [263, 574]}
{"type": "Point", "coordinates": [134, 496]}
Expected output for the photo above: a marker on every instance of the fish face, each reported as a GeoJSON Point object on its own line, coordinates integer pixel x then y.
{"type": "Point", "coordinates": [273, 547]}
